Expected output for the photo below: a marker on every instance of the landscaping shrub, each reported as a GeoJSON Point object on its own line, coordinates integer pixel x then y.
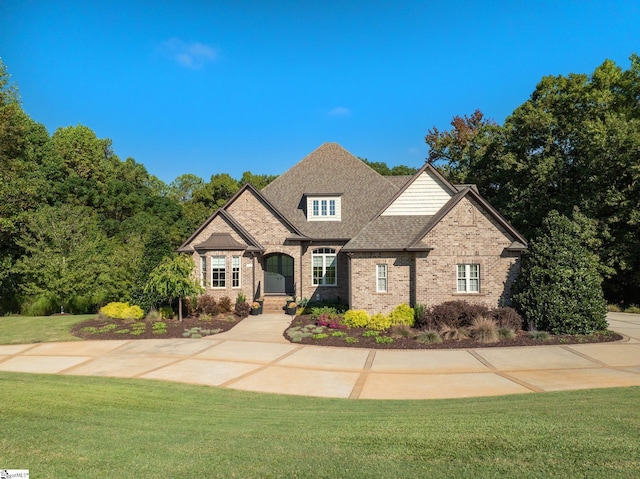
{"type": "Point", "coordinates": [122, 311]}
{"type": "Point", "coordinates": [454, 314]}
{"type": "Point", "coordinates": [383, 340]}
{"type": "Point", "coordinates": [207, 305]}
{"type": "Point", "coordinates": [356, 318]}
{"type": "Point", "coordinates": [40, 306]}
{"type": "Point", "coordinates": [632, 309]}
{"type": "Point", "coordinates": [379, 322]}
{"type": "Point", "coordinates": [224, 304]}
{"type": "Point", "coordinates": [242, 309]}
{"type": "Point", "coordinates": [402, 314]}
{"type": "Point", "coordinates": [326, 311]}
{"type": "Point", "coordinates": [507, 317]}
{"type": "Point", "coordinates": [418, 312]}
{"type": "Point", "coordinates": [166, 312]}
{"type": "Point", "coordinates": [613, 308]}
{"type": "Point", "coordinates": [484, 329]}
{"type": "Point", "coordinates": [560, 288]}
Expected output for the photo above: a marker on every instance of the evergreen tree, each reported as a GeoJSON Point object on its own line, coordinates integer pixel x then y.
{"type": "Point", "coordinates": [559, 289]}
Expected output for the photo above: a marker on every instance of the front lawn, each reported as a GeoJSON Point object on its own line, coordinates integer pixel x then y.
{"type": "Point", "coordinates": [82, 427]}
{"type": "Point", "coordinates": [39, 329]}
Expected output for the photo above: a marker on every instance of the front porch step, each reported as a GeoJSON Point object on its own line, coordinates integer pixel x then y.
{"type": "Point", "coordinates": [274, 304]}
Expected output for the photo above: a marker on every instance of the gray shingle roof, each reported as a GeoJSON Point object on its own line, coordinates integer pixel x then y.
{"type": "Point", "coordinates": [220, 241]}
{"type": "Point", "coordinates": [330, 169]}
{"type": "Point", "coordinates": [388, 233]}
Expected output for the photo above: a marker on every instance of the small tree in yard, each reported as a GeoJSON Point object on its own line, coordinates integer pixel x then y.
{"type": "Point", "coordinates": [172, 279]}
{"type": "Point", "coordinates": [559, 288]}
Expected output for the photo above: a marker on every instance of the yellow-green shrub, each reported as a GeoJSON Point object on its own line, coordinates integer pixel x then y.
{"type": "Point", "coordinates": [122, 311]}
{"type": "Point", "coordinates": [356, 318]}
{"type": "Point", "coordinates": [379, 322]}
{"type": "Point", "coordinates": [402, 314]}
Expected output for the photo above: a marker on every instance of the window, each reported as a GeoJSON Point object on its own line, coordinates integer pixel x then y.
{"type": "Point", "coordinates": [218, 272]}
{"type": "Point", "coordinates": [468, 278]}
{"type": "Point", "coordinates": [324, 264]}
{"type": "Point", "coordinates": [203, 271]}
{"type": "Point", "coordinates": [235, 271]}
{"type": "Point", "coordinates": [323, 208]}
{"type": "Point", "coordinates": [381, 278]}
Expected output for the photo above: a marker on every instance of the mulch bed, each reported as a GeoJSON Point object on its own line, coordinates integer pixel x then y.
{"type": "Point", "coordinates": [175, 328]}
{"type": "Point", "coordinates": [521, 339]}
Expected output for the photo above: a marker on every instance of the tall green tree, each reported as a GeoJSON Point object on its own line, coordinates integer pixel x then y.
{"type": "Point", "coordinates": [383, 169]}
{"type": "Point", "coordinates": [559, 289]}
{"type": "Point", "coordinates": [172, 279]}
{"type": "Point", "coordinates": [66, 257]}
{"type": "Point", "coordinates": [575, 142]}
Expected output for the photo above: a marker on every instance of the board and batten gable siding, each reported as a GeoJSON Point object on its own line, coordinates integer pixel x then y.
{"type": "Point", "coordinates": [425, 196]}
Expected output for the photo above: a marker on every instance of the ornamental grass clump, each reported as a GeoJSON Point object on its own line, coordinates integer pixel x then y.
{"type": "Point", "coordinates": [429, 337]}
{"type": "Point", "coordinates": [454, 332]}
{"type": "Point", "coordinates": [484, 330]}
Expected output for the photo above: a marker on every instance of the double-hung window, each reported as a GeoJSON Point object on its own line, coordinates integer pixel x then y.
{"type": "Point", "coordinates": [382, 282]}
{"type": "Point", "coordinates": [235, 271]}
{"type": "Point", "coordinates": [324, 267]}
{"type": "Point", "coordinates": [218, 272]}
{"type": "Point", "coordinates": [468, 278]}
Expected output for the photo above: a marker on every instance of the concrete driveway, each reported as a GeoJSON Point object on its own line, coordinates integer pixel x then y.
{"type": "Point", "coordinates": [255, 357]}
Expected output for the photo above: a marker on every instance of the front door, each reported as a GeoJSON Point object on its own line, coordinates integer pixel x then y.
{"type": "Point", "coordinates": [278, 274]}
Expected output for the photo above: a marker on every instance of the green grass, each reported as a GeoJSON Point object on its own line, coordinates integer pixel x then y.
{"type": "Point", "coordinates": [80, 427]}
{"type": "Point", "coordinates": [38, 329]}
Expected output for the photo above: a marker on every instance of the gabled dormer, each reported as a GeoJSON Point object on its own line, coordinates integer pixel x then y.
{"type": "Point", "coordinates": [324, 207]}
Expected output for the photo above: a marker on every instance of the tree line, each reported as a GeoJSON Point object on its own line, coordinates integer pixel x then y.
{"type": "Point", "coordinates": [79, 227]}
{"type": "Point", "coordinates": [573, 147]}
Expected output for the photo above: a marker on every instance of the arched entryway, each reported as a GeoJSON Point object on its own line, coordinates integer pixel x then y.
{"type": "Point", "coordinates": [278, 274]}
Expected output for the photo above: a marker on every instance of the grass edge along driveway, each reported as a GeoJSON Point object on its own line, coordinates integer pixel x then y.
{"type": "Point", "coordinates": [85, 427]}
{"type": "Point", "coordinates": [39, 329]}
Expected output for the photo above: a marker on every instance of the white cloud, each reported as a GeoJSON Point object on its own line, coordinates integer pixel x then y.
{"type": "Point", "coordinates": [190, 55]}
{"type": "Point", "coordinates": [339, 111]}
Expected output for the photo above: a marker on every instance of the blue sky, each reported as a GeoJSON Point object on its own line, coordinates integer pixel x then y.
{"type": "Point", "coordinates": [207, 87]}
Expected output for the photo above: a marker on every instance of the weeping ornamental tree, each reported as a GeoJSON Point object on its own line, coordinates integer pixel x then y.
{"type": "Point", "coordinates": [172, 279]}
{"type": "Point", "coordinates": [559, 289]}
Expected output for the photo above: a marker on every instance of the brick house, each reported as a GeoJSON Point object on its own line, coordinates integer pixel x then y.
{"type": "Point", "coordinates": [333, 228]}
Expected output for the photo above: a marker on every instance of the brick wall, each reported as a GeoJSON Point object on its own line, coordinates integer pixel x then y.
{"type": "Point", "coordinates": [466, 235]}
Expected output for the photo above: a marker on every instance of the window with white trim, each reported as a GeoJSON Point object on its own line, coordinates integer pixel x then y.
{"type": "Point", "coordinates": [203, 271]}
{"type": "Point", "coordinates": [468, 278]}
{"type": "Point", "coordinates": [235, 271]}
{"type": "Point", "coordinates": [381, 278]}
{"type": "Point", "coordinates": [218, 271]}
{"type": "Point", "coordinates": [324, 267]}
{"type": "Point", "coordinates": [325, 208]}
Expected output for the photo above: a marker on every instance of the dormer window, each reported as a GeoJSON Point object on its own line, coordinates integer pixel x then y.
{"type": "Point", "coordinates": [323, 208]}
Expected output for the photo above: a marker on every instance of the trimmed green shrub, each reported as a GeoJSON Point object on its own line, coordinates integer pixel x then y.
{"type": "Point", "coordinates": [506, 333]}
{"type": "Point", "coordinates": [403, 314]}
{"type": "Point", "coordinates": [613, 308]}
{"type": "Point", "coordinates": [379, 322]}
{"type": "Point", "coordinates": [122, 311]}
{"type": "Point", "coordinates": [166, 312]}
{"type": "Point", "coordinates": [632, 309]}
{"type": "Point", "coordinates": [559, 289]}
{"type": "Point", "coordinates": [356, 318]}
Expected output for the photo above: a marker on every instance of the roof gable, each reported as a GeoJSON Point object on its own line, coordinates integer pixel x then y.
{"type": "Point", "coordinates": [424, 195]}
{"type": "Point", "coordinates": [330, 170]}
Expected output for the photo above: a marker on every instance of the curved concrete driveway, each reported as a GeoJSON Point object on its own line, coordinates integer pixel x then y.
{"type": "Point", "coordinates": [255, 357]}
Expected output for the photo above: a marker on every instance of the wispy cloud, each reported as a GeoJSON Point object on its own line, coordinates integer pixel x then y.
{"type": "Point", "coordinates": [339, 111]}
{"type": "Point", "coordinates": [188, 54]}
